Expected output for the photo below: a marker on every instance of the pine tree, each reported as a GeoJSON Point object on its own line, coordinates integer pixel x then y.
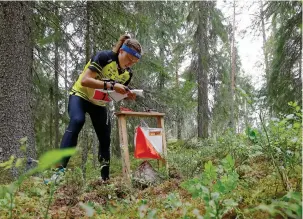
{"type": "Point", "coordinates": [16, 120]}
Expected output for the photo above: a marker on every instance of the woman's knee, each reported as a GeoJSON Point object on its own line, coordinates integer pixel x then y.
{"type": "Point", "coordinates": [77, 122]}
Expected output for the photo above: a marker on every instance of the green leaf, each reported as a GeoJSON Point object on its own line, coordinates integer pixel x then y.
{"type": "Point", "coordinates": [293, 104]}
{"type": "Point", "coordinates": [19, 162]}
{"type": "Point", "coordinates": [252, 134]}
{"type": "Point", "coordinates": [230, 202]}
{"type": "Point", "coordinates": [11, 188]}
{"type": "Point", "coordinates": [270, 209]}
{"type": "Point", "coordinates": [23, 140]}
{"type": "Point", "coordinates": [3, 191]}
{"type": "Point", "coordinates": [297, 125]}
{"type": "Point", "coordinates": [296, 196]}
{"type": "Point", "coordinates": [143, 201]}
{"type": "Point", "coordinates": [215, 195]}
{"type": "Point", "coordinates": [23, 148]}
{"type": "Point", "coordinates": [228, 162]}
{"type": "Point", "coordinates": [220, 187]}
{"type": "Point", "coordinates": [210, 171]}
{"type": "Point", "coordinates": [53, 157]}
{"type": "Point", "coordinates": [8, 164]}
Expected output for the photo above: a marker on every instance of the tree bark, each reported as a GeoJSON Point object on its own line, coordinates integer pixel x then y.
{"type": "Point", "coordinates": [85, 147]}
{"type": "Point", "coordinates": [95, 144]}
{"type": "Point", "coordinates": [87, 58]}
{"type": "Point", "coordinates": [115, 144]}
{"type": "Point", "coordinates": [233, 71]}
{"type": "Point", "coordinates": [16, 49]}
{"type": "Point", "coordinates": [51, 99]}
{"type": "Point", "coordinates": [162, 71]}
{"type": "Point", "coordinates": [87, 35]}
{"type": "Point", "coordinates": [179, 112]}
{"type": "Point", "coordinates": [202, 76]}
{"type": "Point", "coordinates": [66, 94]}
{"type": "Point", "coordinates": [56, 83]}
{"type": "Point", "coordinates": [264, 42]}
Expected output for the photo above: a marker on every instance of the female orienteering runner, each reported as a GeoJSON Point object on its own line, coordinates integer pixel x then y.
{"type": "Point", "coordinates": [108, 70]}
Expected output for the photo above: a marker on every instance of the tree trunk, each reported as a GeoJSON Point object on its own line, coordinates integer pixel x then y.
{"type": "Point", "coordinates": [179, 126]}
{"type": "Point", "coordinates": [162, 56]}
{"type": "Point", "coordinates": [264, 42]}
{"type": "Point", "coordinates": [233, 72]}
{"type": "Point", "coordinates": [179, 112]}
{"type": "Point", "coordinates": [16, 49]}
{"type": "Point", "coordinates": [95, 146]}
{"type": "Point", "coordinates": [115, 143]}
{"type": "Point", "coordinates": [51, 99]}
{"type": "Point", "coordinates": [66, 94]}
{"type": "Point", "coordinates": [85, 147]}
{"type": "Point", "coordinates": [94, 41]}
{"type": "Point", "coordinates": [202, 76]}
{"type": "Point", "coordinates": [94, 27]}
{"type": "Point", "coordinates": [87, 35]}
{"type": "Point", "coordinates": [162, 71]}
{"type": "Point", "coordinates": [56, 90]}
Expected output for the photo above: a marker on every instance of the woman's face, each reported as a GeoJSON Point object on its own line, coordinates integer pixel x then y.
{"type": "Point", "coordinates": [126, 60]}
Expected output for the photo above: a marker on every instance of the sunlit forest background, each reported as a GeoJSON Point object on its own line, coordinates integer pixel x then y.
{"type": "Point", "coordinates": [233, 125]}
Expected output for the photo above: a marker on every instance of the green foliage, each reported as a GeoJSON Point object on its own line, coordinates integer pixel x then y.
{"type": "Point", "coordinates": [213, 186]}
{"type": "Point", "coordinates": [145, 212]}
{"type": "Point", "coordinates": [285, 133]}
{"type": "Point", "coordinates": [281, 142]}
{"type": "Point", "coordinates": [53, 157]}
{"type": "Point", "coordinates": [18, 162]}
{"type": "Point", "coordinates": [226, 192]}
{"type": "Point", "coordinates": [47, 160]}
{"type": "Point", "coordinates": [252, 134]}
{"type": "Point", "coordinates": [173, 201]}
{"type": "Point", "coordinates": [186, 161]}
{"type": "Point", "coordinates": [74, 179]}
{"type": "Point", "coordinates": [285, 46]}
{"type": "Point", "coordinates": [289, 206]}
{"type": "Point", "coordinates": [8, 164]}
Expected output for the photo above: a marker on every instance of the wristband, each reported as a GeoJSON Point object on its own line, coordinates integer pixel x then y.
{"type": "Point", "coordinates": [112, 84]}
{"type": "Point", "coordinates": [105, 85]}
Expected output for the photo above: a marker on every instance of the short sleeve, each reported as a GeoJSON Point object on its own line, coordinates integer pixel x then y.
{"type": "Point", "coordinates": [98, 61]}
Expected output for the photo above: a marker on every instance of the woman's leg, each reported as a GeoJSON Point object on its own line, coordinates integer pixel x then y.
{"type": "Point", "coordinates": [102, 127]}
{"type": "Point", "coordinates": [76, 110]}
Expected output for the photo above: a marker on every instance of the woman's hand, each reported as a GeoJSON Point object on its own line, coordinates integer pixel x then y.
{"type": "Point", "coordinates": [131, 96]}
{"type": "Point", "coordinates": [121, 89]}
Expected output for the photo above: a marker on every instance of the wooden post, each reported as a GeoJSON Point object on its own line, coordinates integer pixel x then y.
{"type": "Point", "coordinates": [160, 123]}
{"type": "Point", "coordinates": [124, 147]}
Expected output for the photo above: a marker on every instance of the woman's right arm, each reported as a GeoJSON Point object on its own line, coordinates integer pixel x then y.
{"type": "Point", "coordinates": [89, 80]}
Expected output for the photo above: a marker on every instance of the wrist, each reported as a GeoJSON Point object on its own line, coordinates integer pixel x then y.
{"type": "Point", "coordinates": [112, 85]}
{"type": "Point", "coordinates": [104, 85]}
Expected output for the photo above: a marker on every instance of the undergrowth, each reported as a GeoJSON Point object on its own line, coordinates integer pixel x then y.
{"type": "Point", "coordinates": [256, 174]}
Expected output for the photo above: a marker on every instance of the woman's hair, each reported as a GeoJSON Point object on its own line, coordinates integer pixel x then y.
{"type": "Point", "coordinates": [132, 43]}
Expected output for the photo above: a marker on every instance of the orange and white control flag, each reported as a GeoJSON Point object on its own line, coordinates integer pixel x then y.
{"type": "Point", "coordinates": [148, 142]}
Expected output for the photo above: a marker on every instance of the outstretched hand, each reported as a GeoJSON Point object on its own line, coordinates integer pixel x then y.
{"type": "Point", "coordinates": [121, 89]}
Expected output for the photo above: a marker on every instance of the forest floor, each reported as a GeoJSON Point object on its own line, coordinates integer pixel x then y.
{"type": "Point", "coordinates": [254, 184]}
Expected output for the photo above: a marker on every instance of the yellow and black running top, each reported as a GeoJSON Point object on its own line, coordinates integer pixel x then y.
{"type": "Point", "coordinates": [106, 65]}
